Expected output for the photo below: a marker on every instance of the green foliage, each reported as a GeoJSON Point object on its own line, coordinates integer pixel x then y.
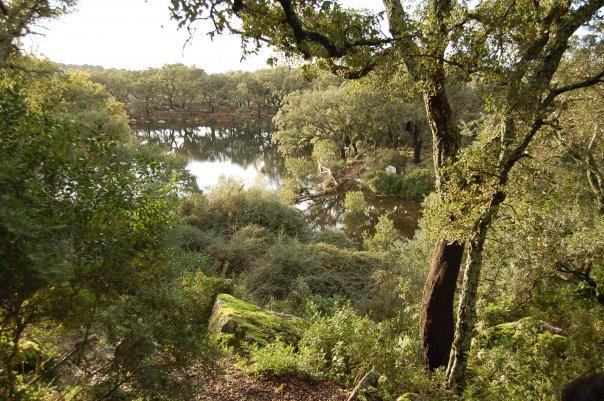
{"type": "Point", "coordinates": [385, 236]}
{"type": "Point", "coordinates": [17, 19]}
{"type": "Point", "coordinates": [332, 236]}
{"type": "Point", "coordinates": [513, 361]}
{"type": "Point", "coordinates": [178, 93]}
{"type": "Point", "coordinates": [85, 218]}
{"type": "Point", "coordinates": [327, 154]}
{"type": "Point", "coordinates": [344, 346]}
{"type": "Point", "coordinates": [380, 158]}
{"type": "Point", "coordinates": [354, 202]}
{"type": "Point", "coordinates": [416, 184]}
{"type": "Point", "coordinates": [286, 269]}
{"type": "Point", "coordinates": [279, 358]}
{"type": "Point", "coordinates": [384, 183]}
{"type": "Point", "coordinates": [229, 207]}
{"type": "Point", "coordinates": [296, 271]}
{"type": "Point", "coordinates": [337, 127]}
{"type": "Point", "coordinates": [299, 168]}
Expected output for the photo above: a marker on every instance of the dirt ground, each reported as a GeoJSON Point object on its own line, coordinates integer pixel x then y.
{"type": "Point", "coordinates": [234, 384]}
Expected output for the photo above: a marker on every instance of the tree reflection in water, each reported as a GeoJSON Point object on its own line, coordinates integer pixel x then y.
{"type": "Point", "coordinates": [329, 212]}
{"type": "Point", "coordinates": [247, 152]}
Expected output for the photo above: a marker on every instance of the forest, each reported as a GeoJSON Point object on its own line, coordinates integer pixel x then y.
{"type": "Point", "coordinates": [405, 204]}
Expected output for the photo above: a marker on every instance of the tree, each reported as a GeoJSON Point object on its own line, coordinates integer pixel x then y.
{"type": "Point", "coordinates": [347, 116]}
{"type": "Point", "coordinates": [118, 82]}
{"type": "Point", "coordinates": [574, 125]}
{"type": "Point", "coordinates": [85, 215]}
{"type": "Point", "coordinates": [17, 17]}
{"type": "Point", "coordinates": [146, 92]}
{"type": "Point", "coordinates": [179, 84]}
{"type": "Point", "coordinates": [513, 48]}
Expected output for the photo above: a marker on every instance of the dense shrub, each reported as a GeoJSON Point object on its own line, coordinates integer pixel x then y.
{"type": "Point", "coordinates": [86, 214]}
{"type": "Point", "coordinates": [229, 207]}
{"type": "Point", "coordinates": [343, 346]}
{"type": "Point", "coordinates": [416, 184]}
{"type": "Point", "coordinates": [298, 272]}
{"type": "Point", "coordinates": [332, 236]}
{"type": "Point", "coordinates": [385, 237]}
{"type": "Point", "coordinates": [384, 183]}
{"type": "Point", "coordinates": [354, 202]}
{"type": "Point", "coordinates": [287, 272]}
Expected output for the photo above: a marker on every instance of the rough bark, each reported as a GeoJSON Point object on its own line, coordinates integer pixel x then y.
{"type": "Point", "coordinates": [437, 304]}
{"type": "Point", "coordinates": [413, 129]}
{"type": "Point", "coordinates": [417, 152]}
{"type": "Point", "coordinates": [445, 138]}
{"type": "Point", "coordinates": [466, 315]}
{"type": "Point", "coordinates": [436, 318]}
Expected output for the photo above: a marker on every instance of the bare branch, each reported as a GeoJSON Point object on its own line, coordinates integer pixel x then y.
{"type": "Point", "coordinates": [589, 81]}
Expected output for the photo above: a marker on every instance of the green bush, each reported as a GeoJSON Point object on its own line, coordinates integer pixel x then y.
{"type": "Point", "coordinates": [241, 251]}
{"type": "Point", "coordinates": [504, 310]}
{"type": "Point", "coordinates": [332, 236]}
{"type": "Point", "coordinates": [416, 184]}
{"type": "Point", "coordinates": [343, 346]}
{"type": "Point", "coordinates": [354, 202]}
{"type": "Point", "coordinates": [229, 207]}
{"type": "Point", "coordinates": [384, 183]}
{"type": "Point", "coordinates": [528, 359]}
{"type": "Point", "coordinates": [298, 271]}
{"type": "Point", "coordinates": [385, 237]}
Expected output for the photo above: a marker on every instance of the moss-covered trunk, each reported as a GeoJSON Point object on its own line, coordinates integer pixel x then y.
{"type": "Point", "coordinates": [466, 315]}
{"type": "Point", "coordinates": [439, 291]}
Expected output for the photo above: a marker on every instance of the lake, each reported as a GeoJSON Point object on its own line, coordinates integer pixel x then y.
{"type": "Point", "coordinates": [247, 153]}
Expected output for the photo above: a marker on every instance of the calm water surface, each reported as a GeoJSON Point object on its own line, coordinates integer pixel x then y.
{"type": "Point", "coordinates": [249, 155]}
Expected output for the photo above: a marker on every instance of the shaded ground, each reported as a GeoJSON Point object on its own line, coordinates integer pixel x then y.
{"type": "Point", "coordinates": [233, 384]}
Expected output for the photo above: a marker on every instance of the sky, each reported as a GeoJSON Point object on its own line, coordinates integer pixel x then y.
{"type": "Point", "coordinates": [138, 34]}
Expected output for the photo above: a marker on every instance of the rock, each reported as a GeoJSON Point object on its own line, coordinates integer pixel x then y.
{"type": "Point", "coordinates": [390, 169]}
{"type": "Point", "coordinates": [526, 330]}
{"type": "Point", "coordinates": [370, 379]}
{"type": "Point", "coordinates": [235, 322]}
{"type": "Point", "coordinates": [585, 388]}
{"type": "Point", "coordinates": [411, 397]}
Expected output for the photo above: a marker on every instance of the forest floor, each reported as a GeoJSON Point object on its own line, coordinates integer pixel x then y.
{"type": "Point", "coordinates": [232, 383]}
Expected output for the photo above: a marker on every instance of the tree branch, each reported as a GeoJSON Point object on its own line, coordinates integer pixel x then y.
{"type": "Point", "coordinates": [3, 9]}
{"type": "Point", "coordinates": [589, 81]}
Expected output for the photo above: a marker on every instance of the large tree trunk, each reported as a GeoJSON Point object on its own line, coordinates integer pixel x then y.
{"type": "Point", "coordinates": [439, 291]}
{"type": "Point", "coordinates": [445, 143]}
{"type": "Point", "coordinates": [466, 315]}
{"type": "Point", "coordinates": [437, 304]}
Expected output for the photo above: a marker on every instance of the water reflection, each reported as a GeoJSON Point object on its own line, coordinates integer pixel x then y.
{"type": "Point", "coordinates": [329, 212]}
{"type": "Point", "coordinates": [243, 153]}
{"type": "Point", "coordinates": [247, 153]}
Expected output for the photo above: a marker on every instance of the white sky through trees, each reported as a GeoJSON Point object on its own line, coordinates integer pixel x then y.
{"type": "Point", "coordinates": [137, 34]}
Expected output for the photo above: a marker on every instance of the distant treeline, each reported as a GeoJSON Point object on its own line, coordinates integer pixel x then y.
{"type": "Point", "coordinates": [178, 91]}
